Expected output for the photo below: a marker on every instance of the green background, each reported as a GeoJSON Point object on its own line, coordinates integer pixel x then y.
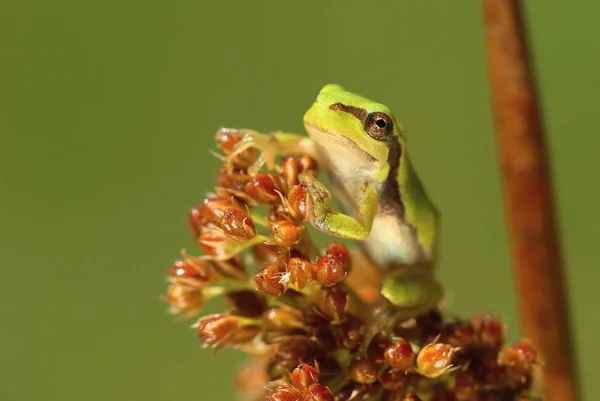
{"type": "Point", "coordinates": [107, 115]}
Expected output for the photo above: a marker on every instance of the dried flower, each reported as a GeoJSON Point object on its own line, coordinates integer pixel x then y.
{"type": "Point", "coordinates": [290, 302]}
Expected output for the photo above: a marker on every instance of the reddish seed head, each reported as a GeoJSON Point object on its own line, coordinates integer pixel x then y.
{"type": "Point", "coordinates": [301, 271]}
{"type": "Point", "coordinates": [226, 141]}
{"type": "Point", "coordinates": [284, 394]}
{"type": "Point", "coordinates": [304, 375]}
{"type": "Point", "coordinates": [400, 356]}
{"type": "Point", "coordinates": [187, 269]}
{"type": "Point", "coordinates": [290, 168]}
{"type": "Point", "coordinates": [435, 359]}
{"type": "Point", "coordinates": [341, 252]}
{"type": "Point", "coordinates": [411, 397]}
{"type": "Point", "coordinates": [489, 330]}
{"type": "Point", "coordinates": [262, 189]}
{"type": "Point", "coordinates": [363, 371]}
{"type": "Point", "coordinates": [216, 328]}
{"type": "Point", "coordinates": [330, 270]}
{"type": "Point", "coordinates": [296, 199]}
{"type": "Point", "coordinates": [318, 392]}
{"type": "Point", "coordinates": [213, 208]}
{"type": "Point", "coordinates": [196, 220]}
{"type": "Point", "coordinates": [272, 280]}
{"type": "Point", "coordinates": [184, 298]}
{"type": "Point", "coordinates": [286, 233]}
{"type": "Point", "coordinates": [519, 356]}
{"type": "Point", "coordinates": [237, 225]}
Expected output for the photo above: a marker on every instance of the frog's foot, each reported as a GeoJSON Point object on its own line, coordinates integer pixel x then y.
{"type": "Point", "coordinates": [323, 218]}
{"type": "Point", "coordinates": [318, 202]}
{"type": "Point", "coordinates": [413, 291]}
{"type": "Point", "coordinates": [267, 144]}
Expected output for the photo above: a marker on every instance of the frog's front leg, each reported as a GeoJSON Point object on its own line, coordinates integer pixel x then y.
{"type": "Point", "coordinates": [322, 217]}
{"type": "Point", "coordinates": [270, 146]}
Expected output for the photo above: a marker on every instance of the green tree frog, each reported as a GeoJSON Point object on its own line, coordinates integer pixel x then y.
{"type": "Point", "coordinates": [363, 150]}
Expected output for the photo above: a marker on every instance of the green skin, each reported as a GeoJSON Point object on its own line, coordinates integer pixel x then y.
{"type": "Point", "coordinates": [384, 205]}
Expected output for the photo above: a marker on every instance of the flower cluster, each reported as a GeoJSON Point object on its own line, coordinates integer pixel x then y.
{"type": "Point", "coordinates": [309, 316]}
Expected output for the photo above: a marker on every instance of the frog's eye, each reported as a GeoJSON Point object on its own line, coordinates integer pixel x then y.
{"type": "Point", "coordinates": [379, 126]}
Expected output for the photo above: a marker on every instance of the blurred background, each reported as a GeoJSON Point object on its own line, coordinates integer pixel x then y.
{"type": "Point", "coordinates": [107, 115]}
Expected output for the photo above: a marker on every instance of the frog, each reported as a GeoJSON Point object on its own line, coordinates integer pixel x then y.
{"type": "Point", "coordinates": [362, 148]}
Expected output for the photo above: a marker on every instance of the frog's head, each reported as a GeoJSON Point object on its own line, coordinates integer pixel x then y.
{"type": "Point", "coordinates": [352, 129]}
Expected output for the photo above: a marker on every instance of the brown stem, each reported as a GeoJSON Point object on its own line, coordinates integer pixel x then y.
{"type": "Point", "coordinates": [528, 196]}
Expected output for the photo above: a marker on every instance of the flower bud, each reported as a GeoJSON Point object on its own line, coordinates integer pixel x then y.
{"type": "Point", "coordinates": [184, 298]}
{"type": "Point", "coordinates": [302, 272]}
{"type": "Point", "coordinates": [341, 252]}
{"type": "Point", "coordinates": [272, 280]}
{"type": "Point", "coordinates": [399, 355]}
{"type": "Point", "coordinates": [304, 375]}
{"type": "Point", "coordinates": [237, 225]}
{"type": "Point", "coordinates": [296, 200]}
{"type": "Point", "coordinates": [262, 189]}
{"type": "Point", "coordinates": [489, 330]}
{"type": "Point", "coordinates": [318, 392]}
{"type": "Point", "coordinates": [286, 233]}
{"type": "Point", "coordinates": [220, 330]}
{"type": "Point", "coordinates": [284, 394]}
{"type": "Point", "coordinates": [363, 371]}
{"type": "Point", "coordinates": [330, 270]}
{"type": "Point", "coordinates": [435, 359]}
{"type": "Point", "coordinates": [191, 271]}
{"type": "Point", "coordinates": [227, 139]}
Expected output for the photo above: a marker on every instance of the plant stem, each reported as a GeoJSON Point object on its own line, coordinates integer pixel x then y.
{"type": "Point", "coordinates": [528, 196]}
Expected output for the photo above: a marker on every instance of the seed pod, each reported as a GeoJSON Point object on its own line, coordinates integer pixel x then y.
{"type": "Point", "coordinates": [272, 280]}
{"type": "Point", "coordinates": [377, 347]}
{"type": "Point", "coordinates": [286, 233]}
{"type": "Point", "coordinates": [399, 355]}
{"type": "Point", "coordinates": [289, 169]}
{"type": "Point", "coordinates": [216, 328]}
{"type": "Point", "coordinates": [262, 189]}
{"type": "Point", "coordinates": [489, 331]}
{"type": "Point", "coordinates": [237, 225]}
{"type": "Point", "coordinates": [184, 298]}
{"type": "Point", "coordinates": [213, 209]}
{"type": "Point", "coordinates": [318, 392]}
{"type": "Point", "coordinates": [284, 394]}
{"type": "Point", "coordinates": [304, 375]}
{"type": "Point", "coordinates": [363, 371]}
{"type": "Point", "coordinates": [435, 359]}
{"type": "Point", "coordinates": [330, 270]}
{"type": "Point", "coordinates": [301, 271]}
{"type": "Point", "coordinates": [296, 201]}
{"type": "Point", "coordinates": [341, 252]}
{"type": "Point", "coordinates": [227, 139]}
{"type": "Point", "coordinates": [192, 272]}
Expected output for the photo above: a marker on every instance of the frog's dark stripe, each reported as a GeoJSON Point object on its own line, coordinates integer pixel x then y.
{"type": "Point", "coordinates": [357, 112]}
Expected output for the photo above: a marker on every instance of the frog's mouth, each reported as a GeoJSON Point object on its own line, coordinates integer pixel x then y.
{"type": "Point", "coordinates": [341, 156]}
{"type": "Point", "coordinates": [333, 143]}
